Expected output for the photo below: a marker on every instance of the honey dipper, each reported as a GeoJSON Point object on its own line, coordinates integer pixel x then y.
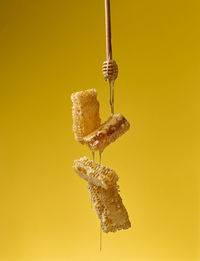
{"type": "Point", "coordinates": [109, 68]}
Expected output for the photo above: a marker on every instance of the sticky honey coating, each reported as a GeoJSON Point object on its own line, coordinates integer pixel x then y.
{"type": "Point", "coordinates": [85, 113]}
{"type": "Point", "coordinates": [109, 208]}
{"type": "Point", "coordinates": [95, 173]}
{"type": "Point", "coordinates": [107, 133]}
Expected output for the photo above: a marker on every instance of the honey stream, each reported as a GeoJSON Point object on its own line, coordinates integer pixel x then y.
{"type": "Point", "coordinates": [112, 87]}
{"type": "Point", "coordinates": [111, 100]}
{"type": "Point", "coordinates": [93, 157]}
{"type": "Point", "coordinates": [100, 159]}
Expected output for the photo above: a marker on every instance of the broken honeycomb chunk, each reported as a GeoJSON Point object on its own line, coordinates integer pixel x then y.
{"type": "Point", "coordinates": [107, 133]}
{"type": "Point", "coordinates": [95, 173]}
{"type": "Point", "coordinates": [85, 113]}
{"type": "Point", "coordinates": [109, 207]}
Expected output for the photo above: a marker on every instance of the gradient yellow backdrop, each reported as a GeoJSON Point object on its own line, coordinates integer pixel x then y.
{"type": "Point", "coordinates": [49, 49]}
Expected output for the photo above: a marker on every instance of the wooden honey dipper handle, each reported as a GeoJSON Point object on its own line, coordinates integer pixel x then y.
{"type": "Point", "coordinates": [109, 68]}
{"type": "Point", "coordinates": [108, 30]}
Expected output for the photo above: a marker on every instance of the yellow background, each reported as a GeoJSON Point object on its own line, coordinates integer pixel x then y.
{"type": "Point", "coordinates": [49, 49]}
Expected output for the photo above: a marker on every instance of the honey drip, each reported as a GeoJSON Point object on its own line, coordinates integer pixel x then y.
{"type": "Point", "coordinates": [100, 157]}
{"type": "Point", "coordinates": [112, 86]}
{"type": "Point", "coordinates": [93, 157]}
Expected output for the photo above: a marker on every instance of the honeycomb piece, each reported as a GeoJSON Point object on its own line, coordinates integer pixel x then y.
{"type": "Point", "coordinates": [107, 133]}
{"type": "Point", "coordinates": [109, 207]}
{"type": "Point", "coordinates": [95, 173]}
{"type": "Point", "coordinates": [85, 113]}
